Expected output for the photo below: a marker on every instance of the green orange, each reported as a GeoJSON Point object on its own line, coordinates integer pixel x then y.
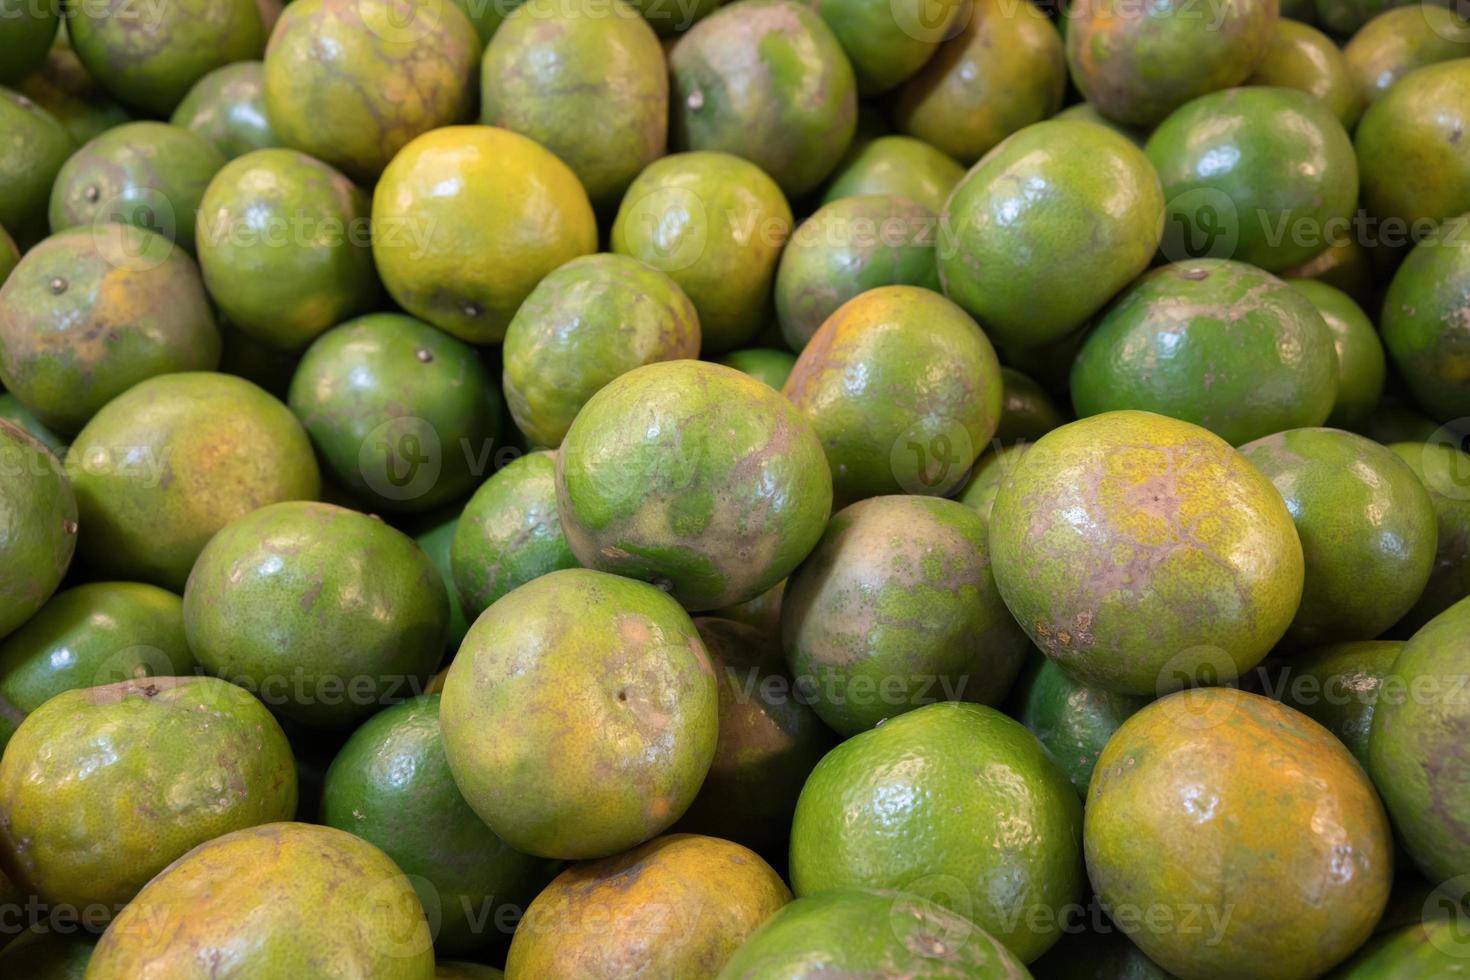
{"type": "Point", "coordinates": [695, 477]}
{"type": "Point", "coordinates": [1400, 40]}
{"type": "Point", "coordinates": [677, 906]}
{"type": "Point", "coordinates": [896, 165]}
{"type": "Point", "coordinates": [227, 107]}
{"type": "Point", "coordinates": [1002, 71]}
{"type": "Point", "coordinates": [1302, 57]}
{"type": "Point", "coordinates": [1141, 552]}
{"type": "Point", "coordinates": [986, 476]}
{"type": "Point", "coordinates": [1367, 527]}
{"type": "Point", "coordinates": [26, 32]}
{"type": "Point", "coordinates": [1433, 948]}
{"type": "Point", "coordinates": [622, 766]}
{"type": "Point", "coordinates": [715, 224]}
{"type": "Point", "coordinates": [1026, 411]}
{"type": "Point", "coordinates": [887, 42]}
{"type": "Point", "coordinates": [468, 219]}
{"type": "Point", "coordinates": [940, 391]}
{"type": "Point", "coordinates": [1338, 686]}
{"type": "Point", "coordinates": [11, 410]}
{"type": "Point", "coordinates": [437, 539]}
{"type": "Point", "coordinates": [769, 366]}
{"type": "Point", "coordinates": [1425, 326]}
{"type": "Point", "coordinates": [1361, 365]}
{"type": "Point", "coordinates": [1215, 342]}
{"type": "Point", "coordinates": [29, 162]}
{"type": "Point", "coordinates": [1062, 194]}
{"type": "Point", "coordinates": [1250, 819]}
{"type": "Point", "coordinates": [38, 509]}
{"type": "Point", "coordinates": [963, 772]}
{"type": "Point", "coordinates": [584, 324]}
{"type": "Point", "coordinates": [144, 770]}
{"type": "Point", "coordinates": [1445, 472]}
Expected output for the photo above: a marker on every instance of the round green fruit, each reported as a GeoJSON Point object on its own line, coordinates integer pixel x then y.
{"type": "Point", "coordinates": [1397, 41]}
{"type": "Point", "coordinates": [175, 458]}
{"type": "Point", "coordinates": [38, 515]}
{"type": "Point", "coordinates": [144, 770]}
{"type": "Point", "coordinates": [1215, 342]}
{"type": "Point", "coordinates": [1302, 57]}
{"type": "Point", "coordinates": [281, 900]}
{"type": "Point", "coordinates": [962, 772]}
{"type": "Point", "coordinates": [30, 158]}
{"type": "Point", "coordinates": [693, 476]}
{"type": "Point", "coordinates": [986, 476]}
{"type": "Point", "coordinates": [1140, 552]}
{"type": "Point", "coordinates": [227, 107]}
{"type": "Point", "coordinates": [326, 612]}
{"type": "Point", "coordinates": [401, 413]}
{"type": "Point", "coordinates": [1445, 472]}
{"type": "Point", "coordinates": [1426, 325]}
{"type": "Point", "coordinates": [765, 80]}
{"type": "Point", "coordinates": [770, 367]}
{"type": "Point", "coordinates": [1338, 685]}
{"type": "Point", "coordinates": [622, 766]}
{"type": "Point", "coordinates": [1361, 366]}
{"type": "Point", "coordinates": [1026, 411]}
{"type": "Point", "coordinates": [92, 311]}
{"type": "Point", "coordinates": [11, 410]}
{"type": "Point", "coordinates": [63, 87]}
{"type": "Point", "coordinates": [1061, 194]}
{"type": "Point", "coordinates": [26, 32]}
{"type": "Point", "coordinates": [437, 540]}
{"type": "Point", "coordinates": [1367, 528]}
{"type": "Point", "coordinates": [1433, 948]}
{"type": "Point", "coordinates": [887, 42]}
{"type": "Point", "coordinates": [591, 320]}
{"type": "Point", "coordinates": [900, 166]}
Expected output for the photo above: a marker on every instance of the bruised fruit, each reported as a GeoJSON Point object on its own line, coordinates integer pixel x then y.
{"type": "Point", "coordinates": [30, 158]}
{"type": "Point", "coordinates": [902, 388]}
{"type": "Point", "coordinates": [320, 902]}
{"type": "Point", "coordinates": [1229, 811]}
{"type": "Point", "coordinates": [591, 320]}
{"type": "Point", "coordinates": [401, 413]}
{"type": "Point", "coordinates": [896, 608]}
{"type": "Point", "coordinates": [475, 191]}
{"type": "Point", "coordinates": [900, 166]}
{"type": "Point", "coordinates": [1445, 472]}
{"type": "Point", "coordinates": [144, 770]}
{"type": "Point", "coordinates": [765, 80]}
{"type": "Point", "coordinates": [695, 477]}
{"type": "Point", "coordinates": [960, 773]}
{"type": "Point", "coordinates": [38, 525]}
{"type": "Point", "coordinates": [715, 224]}
{"type": "Point", "coordinates": [1367, 528]}
{"type": "Point", "coordinates": [1073, 720]}
{"type": "Point", "coordinates": [1426, 325]}
{"type": "Point", "coordinates": [326, 612]}
{"type": "Point", "coordinates": [175, 458]}
{"type": "Point", "coordinates": [351, 82]}
{"type": "Point", "coordinates": [1218, 343]}
{"type": "Point", "coordinates": [680, 906]}
{"type": "Point", "coordinates": [1337, 686]}
{"type": "Point", "coordinates": [621, 768]}
{"type": "Point", "coordinates": [1361, 365]}
{"type": "Point", "coordinates": [89, 313]}
{"type": "Point", "coordinates": [227, 107]}
{"type": "Point", "coordinates": [1140, 552]}
{"type": "Point", "coordinates": [391, 786]}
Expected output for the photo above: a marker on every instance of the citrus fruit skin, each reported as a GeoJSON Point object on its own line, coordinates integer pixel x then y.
{"type": "Point", "coordinates": [1445, 473]}
{"type": "Point", "coordinates": [1338, 685]}
{"type": "Point", "coordinates": [283, 243]}
{"type": "Point", "coordinates": [1425, 329]}
{"type": "Point", "coordinates": [1074, 721]}
{"type": "Point", "coordinates": [319, 902]}
{"type": "Point", "coordinates": [464, 261]}
{"type": "Point", "coordinates": [1271, 168]}
{"type": "Point", "coordinates": [589, 321]}
{"type": "Point", "coordinates": [1004, 70]}
{"type": "Point", "coordinates": [227, 107]}
{"type": "Point", "coordinates": [963, 772]}
{"type": "Point", "coordinates": [1416, 749]}
{"type": "Point", "coordinates": [628, 762]}
{"type": "Point", "coordinates": [351, 82]}
{"type": "Point", "coordinates": [29, 162]}
{"type": "Point", "coordinates": [324, 611]}
{"type": "Point", "coordinates": [1215, 342]}
{"type": "Point", "coordinates": [1361, 364]}
{"type": "Point", "coordinates": [1266, 826]}
{"type": "Point", "coordinates": [153, 69]}
{"type": "Point", "coordinates": [9, 255]}
{"type": "Point", "coordinates": [1412, 166]}
{"type": "Point", "coordinates": [762, 613]}
{"type": "Point", "coordinates": [175, 458]}
{"type": "Point", "coordinates": [12, 411]}
{"type": "Point", "coordinates": [696, 476]}
{"type": "Point", "coordinates": [769, 741]}
{"type": "Point", "coordinates": [1367, 527]}
{"type": "Point", "coordinates": [986, 476]}
{"type": "Point", "coordinates": [863, 932]}
{"type": "Point", "coordinates": [848, 247]}
{"type": "Point", "coordinates": [509, 533]}
{"type": "Point", "coordinates": [38, 526]}
{"type": "Point", "coordinates": [391, 785]}
{"type": "Point", "coordinates": [941, 390]}
{"type": "Point", "coordinates": [769, 367]}
{"type": "Point", "coordinates": [1136, 63]}
{"type": "Point", "coordinates": [91, 312]}
{"type": "Point", "coordinates": [401, 413]}
{"type": "Point", "coordinates": [1302, 57]}
{"type": "Point", "coordinates": [1026, 411]}
{"type": "Point", "coordinates": [26, 33]}
{"type": "Point", "coordinates": [147, 174]}
{"type": "Point", "coordinates": [900, 166]}
{"type": "Point", "coordinates": [887, 43]}
{"type": "Point", "coordinates": [896, 608]}
{"type": "Point", "coordinates": [1134, 548]}
{"type": "Point", "coordinates": [551, 69]}
{"type": "Point", "coordinates": [715, 224]}
{"type": "Point", "coordinates": [765, 80]}
{"type": "Point", "coordinates": [679, 906]}
{"type": "Point", "coordinates": [98, 633]}
{"type": "Point", "coordinates": [1091, 204]}
{"type": "Point", "coordinates": [106, 756]}
{"type": "Point", "coordinates": [1432, 948]}
{"type": "Point", "coordinates": [436, 537]}
{"type": "Point", "coordinates": [1397, 41]}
